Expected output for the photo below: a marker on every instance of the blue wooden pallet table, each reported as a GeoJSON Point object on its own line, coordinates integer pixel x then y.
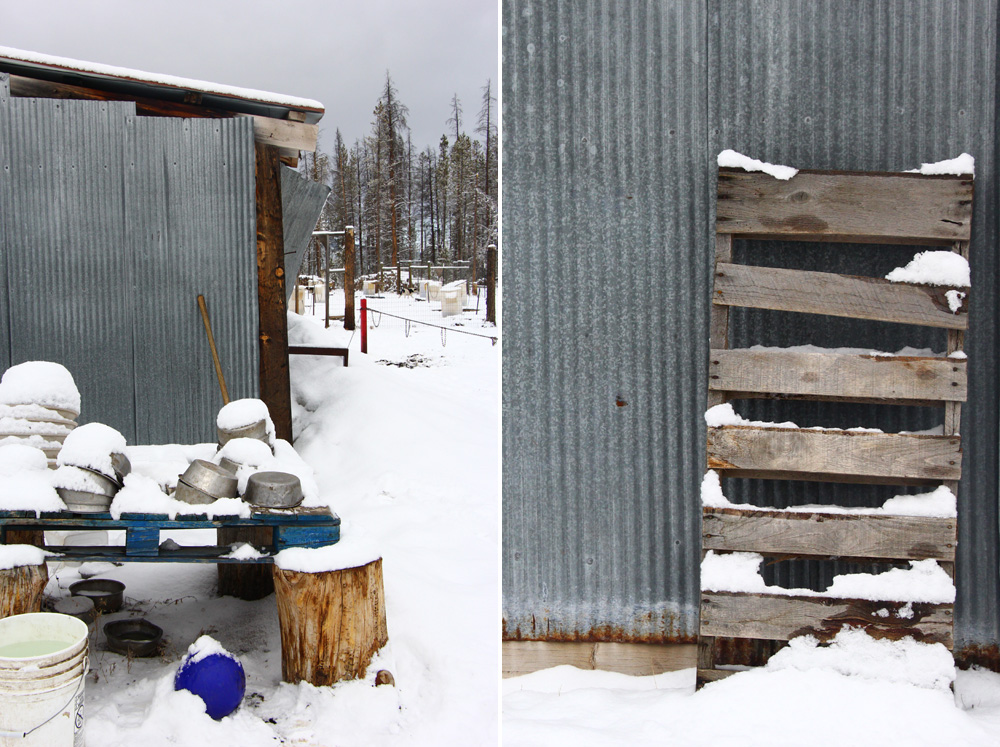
{"type": "Point", "coordinates": [294, 527]}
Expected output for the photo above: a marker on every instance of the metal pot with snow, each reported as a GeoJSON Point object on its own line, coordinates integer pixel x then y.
{"type": "Point", "coordinates": [204, 482]}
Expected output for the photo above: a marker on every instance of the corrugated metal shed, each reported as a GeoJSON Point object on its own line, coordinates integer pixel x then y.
{"type": "Point", "coordinates": [113, 224]}
{"type": "Point", "coordinates": [613, 115]}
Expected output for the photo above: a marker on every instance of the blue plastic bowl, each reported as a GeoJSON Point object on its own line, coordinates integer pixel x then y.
{"type": "Point", "coordinates": [217, 679]}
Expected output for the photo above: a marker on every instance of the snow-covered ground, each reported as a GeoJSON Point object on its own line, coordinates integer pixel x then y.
{"type": "Point", "coordinates": [784, 707]}
{"type": "Point", "coordinates": [404, 444]}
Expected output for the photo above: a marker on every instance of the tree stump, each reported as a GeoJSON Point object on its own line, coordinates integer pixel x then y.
{"type": "Point", "coordinates": [332, 623]}
{"type": "Point", "coordinates": [21, 589]}
{"type": "Point", "coordinates": [247, 581]}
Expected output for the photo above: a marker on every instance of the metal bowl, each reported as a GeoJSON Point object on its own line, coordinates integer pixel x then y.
{"type": "Point", "coordinates": [121, 465]}
{"type": "Point", "coordinates": [85, 502]}
{"type": "Point", "coordinates": [273, 490]}
{"type": "Point", "coordinates": [257, 430]}
{"type": "Point", "coordinates": [188, 494]}
{"type": "Point", "coordinates": [137, 637]}
{"type": "Point", "coordinates": [79, 607]}
{"type": "Point", "coordinates": [211, 479]}
{"type": "Point", "coordinates": [108, 486]}
{"type": "Point", "coordinates": [106, 593]}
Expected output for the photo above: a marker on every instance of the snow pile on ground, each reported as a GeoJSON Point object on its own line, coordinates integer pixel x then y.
{"type": "Point", "coordinates": [940, 503]}
{"type": "Point", "coordinates": [734, 160]}
{"type": "Point", "coordinates": [768, 707]}
{"type": "Point", "coordinates": [408, 458]}
{"type": "Point", "coordinates": [40, 383]}
{"type": "Point", "coordinates": [854, 653]}
{"type": "Point", "coordinates": [923, 581]}
{"type": "Point", "coordinates": [934, 268]}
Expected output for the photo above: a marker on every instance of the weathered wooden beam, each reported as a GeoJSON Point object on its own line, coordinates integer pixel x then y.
{"type": "Point", "coordinates": [275, 387]}
{"type": "Point", "coordinates": [713, 675]}
{"type": "Point", "coordinates": [876, 536]}
{"type": "Point", "coordinates": [870, 208]}
{"type": "Point", "coordinates": [780, 618]}
{"type": "Point", "coordinates": [803, 452]}
{"type": "Point", "coordinates": [836, 295]}
{"type": "Point", "coordinates": [45, 89]}
{"type": "Point", "coordinates": [288, 134]}
{"type": "Point", "coordinates": [284, 133]}
{"type": "Point", "coordinates": [836, 376]}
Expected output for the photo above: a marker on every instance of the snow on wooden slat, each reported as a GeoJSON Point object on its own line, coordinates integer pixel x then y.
{"type": "Point", "coordinates": [781, 618]}
{"type": "Point", "coordinates": [840, 206]}
{"type": "Point", "coordinates": [834, 453]}
{"type": "Point", "coordinates": [836, 295]}
{"type": "Point", "coordinates": [829, 535]}
{"type": "Point", "coordinates": [837, 376]}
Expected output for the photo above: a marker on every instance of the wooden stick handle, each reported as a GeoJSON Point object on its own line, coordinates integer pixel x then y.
{"type": "Point", "coordinates": [215, 353]}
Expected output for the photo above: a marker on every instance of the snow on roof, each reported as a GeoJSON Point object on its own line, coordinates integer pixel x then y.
{"type": "Point", "coordinates": [106, 72]}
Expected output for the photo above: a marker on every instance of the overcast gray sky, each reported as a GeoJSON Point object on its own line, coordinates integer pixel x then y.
{"type": "Point", "coordinates": [334, 51]}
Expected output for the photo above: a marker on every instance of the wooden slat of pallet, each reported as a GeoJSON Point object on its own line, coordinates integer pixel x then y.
{"type": "Point", "coordinates": [842, 206]}
{"type": "Point", "coordinates": [837, 376]}
{"type": "Point", "coordinates": [780, 618]}
{"type": "Point", "coordinates": [803, 452]}
{"type": "Point", "coordinates": [827, 293]}
{"type": "Point", "coordinates": [829, 535]}
{"type": "Point", "coordinates": [719, 333]}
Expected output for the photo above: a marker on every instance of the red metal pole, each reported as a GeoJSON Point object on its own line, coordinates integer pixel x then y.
{"type": "Point", "coordinates": [364, 325]}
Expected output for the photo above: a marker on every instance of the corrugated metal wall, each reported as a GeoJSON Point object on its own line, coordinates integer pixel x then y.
{"type": "Point", "coordinates": [612, 118]}
{"type": "Point", "coordinates": [191, 228]}
{"type": "Point", "coordinates": [112, 226]}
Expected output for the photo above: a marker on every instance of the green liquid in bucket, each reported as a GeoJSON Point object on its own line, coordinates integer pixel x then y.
{"type": "Point", "coordinates": [32, 648]}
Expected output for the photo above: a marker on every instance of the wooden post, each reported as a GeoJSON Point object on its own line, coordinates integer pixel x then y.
{"type": "Point", "coordinates": [364, 325]}
{"type": "Point", "coordinates": [491, 283]}
{"type": "Point", "coordinates": [274, 382]}
{"type": "Point", "coordinates": [21, 589]}
{"type": "Point", "coordinates": [253, 581]}
{"type": "Point", "coordinates": [349, 278]}
{"type": "Point", "coordinates": [332, 623]}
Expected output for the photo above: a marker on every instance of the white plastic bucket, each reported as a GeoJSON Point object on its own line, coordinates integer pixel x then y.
{"type": "Point", "coordinates": [43, 660]}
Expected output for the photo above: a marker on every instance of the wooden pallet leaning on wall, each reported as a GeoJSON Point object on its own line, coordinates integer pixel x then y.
{"type": "Point", "coordinates": [844, 207]}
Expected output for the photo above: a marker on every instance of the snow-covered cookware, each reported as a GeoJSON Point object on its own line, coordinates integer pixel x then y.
{"type": "Point", "coordinates": [203, 480]}
{"type": "Point", "coordinates": [107, 594]}
{"type": "Point", "coordinates": [256, 430]}
{"type": "Point", "coordinates": [273, 490]}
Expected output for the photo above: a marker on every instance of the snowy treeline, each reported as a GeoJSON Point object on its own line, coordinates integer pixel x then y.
{"type": "Point", "coordinates": [434, 203]}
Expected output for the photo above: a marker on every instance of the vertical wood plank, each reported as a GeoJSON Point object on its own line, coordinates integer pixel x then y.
{"type": "Point", "coordinates": [719, 329]}
{"type": "Point", "coordinates": [275, 388]}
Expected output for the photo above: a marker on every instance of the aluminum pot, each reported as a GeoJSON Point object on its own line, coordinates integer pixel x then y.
{"type": "Point", "coordinates": [273, 490]}
{"type": "Point", "coordinates": [121, 465]}
{"type": "Point", "coordinates": [108, 486]}
{"type": "Point", "coordinates": [84, 502]}
{"type": "Point", "coordinates": [188, 494]}
{"type": "Point", "coordinates": [137, 637]}
{"type": "Point", "coordinates": [106, 593]}
{"type": "Point", "coordinates": [211, 479]}
{"type": "Point", "coordinates": [256, 430]}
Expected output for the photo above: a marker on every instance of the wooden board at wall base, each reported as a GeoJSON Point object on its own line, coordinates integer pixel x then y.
{"type": "Point", "coordinates": [637, 659]}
